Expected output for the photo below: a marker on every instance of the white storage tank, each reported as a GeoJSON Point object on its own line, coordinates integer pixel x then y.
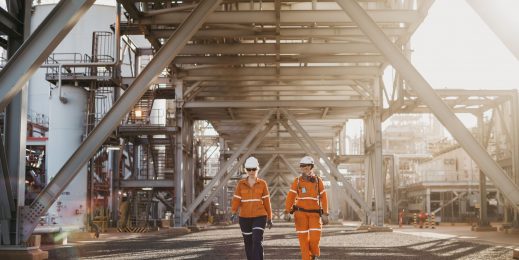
{"type": "Point", "coordinates": [67, 120]}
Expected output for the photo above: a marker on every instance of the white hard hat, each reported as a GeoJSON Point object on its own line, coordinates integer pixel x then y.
{"type": "Point", "coordinates": [251, 162]}
{"type": "Point", "coordinates": [307, 160]}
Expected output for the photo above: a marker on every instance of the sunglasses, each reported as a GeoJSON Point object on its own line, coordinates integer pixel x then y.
{"type": "Point", "coordinates": [304, 165]}
{"type": "Point", "coordinates": [251, 169]}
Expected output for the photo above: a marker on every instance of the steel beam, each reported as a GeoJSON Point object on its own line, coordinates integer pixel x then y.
{"type": "Point", "coordinates": [225, 167]}
{"type": "Point", "coordinates": [282, 103]}
{"type": "Point", "coordinates": [485, 162]}
{"type": "Point", "coordinates": [282, 48]}
{"type": "Point", "coordinates": [38, 47]}
{"type": "Point", "coordinates": [273, 60]}
{"type": "Point", "coordinates": [254, 32]}
{"type": "Point", "coordinates": [267, 165]}
{"type": "Point", "coordinates": [284, 71]}
{"type": "Point", "coordinates": [502, 19]}
{"type": "Point", "coordinates": [9, 25]}
{"type": "Point", "coordinates": [163, 58]}
{"type": "Point", "coordinates": [292, 17]}
{"type": "Point", "coordinates": [147, 184]}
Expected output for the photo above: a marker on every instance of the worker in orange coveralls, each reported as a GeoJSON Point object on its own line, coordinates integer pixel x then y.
{"type": "Point", "coordinates": [253, 198]}
{"type": "Point", "coordinates": [308, 201]}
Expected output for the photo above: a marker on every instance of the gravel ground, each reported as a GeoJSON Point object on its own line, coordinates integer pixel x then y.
{"type": "Point", "coordinates": [338, 242]}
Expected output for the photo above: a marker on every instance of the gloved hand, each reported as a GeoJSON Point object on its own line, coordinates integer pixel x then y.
{"type": "Point", "coordinates": [324, 219]}
{"type": "Point", "coordinates": [233, 217]}
{"type": "Point", "coordinates": [287, 216]}
{"type": "Point", "coordinates": [269, 224]}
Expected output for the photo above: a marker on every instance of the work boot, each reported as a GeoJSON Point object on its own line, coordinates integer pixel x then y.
{"type": "Point", "coordinates": [314, 257]}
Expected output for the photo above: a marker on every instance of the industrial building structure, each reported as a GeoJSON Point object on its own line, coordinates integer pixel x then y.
{"type": "Point", "coordinates": [159, 103]}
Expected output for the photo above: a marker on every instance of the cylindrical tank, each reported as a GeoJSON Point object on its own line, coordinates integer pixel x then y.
{"type": "Point", "coordinates": [67, 121]}
{"type": "Point", "coordinates": [67, 124]}
{"type": "Point", "coordinates": [79, 40]}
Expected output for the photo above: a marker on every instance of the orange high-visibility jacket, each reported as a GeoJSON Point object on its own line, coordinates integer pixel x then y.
{"type": "Point", "coordinates": [305, 195]}
{"type": "Point", "coordinates": [254, 201]}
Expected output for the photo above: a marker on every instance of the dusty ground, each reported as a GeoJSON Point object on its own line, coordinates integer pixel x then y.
{"type": "Point", "coordinates": [338, 242]}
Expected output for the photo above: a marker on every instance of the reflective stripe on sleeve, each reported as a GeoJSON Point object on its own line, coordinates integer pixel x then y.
{"type": "Point", "coordinates": [322, 192]}
{"type": "Point", "coordinates": [266, 196]}
{"type": "Point", "coordinates": [291, 190]}
{"type": "Point", "coordinates": [237, 196]}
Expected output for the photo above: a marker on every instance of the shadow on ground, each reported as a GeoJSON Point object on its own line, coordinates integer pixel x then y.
{"type": "Point", "coordinates": [281, 242]}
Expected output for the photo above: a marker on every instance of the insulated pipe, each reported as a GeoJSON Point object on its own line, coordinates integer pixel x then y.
{"type": "Point", "coordinates": [504, 183]}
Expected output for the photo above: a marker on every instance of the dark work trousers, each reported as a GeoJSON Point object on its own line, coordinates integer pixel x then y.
{"type": "Point", "coordinates": [252, 231]}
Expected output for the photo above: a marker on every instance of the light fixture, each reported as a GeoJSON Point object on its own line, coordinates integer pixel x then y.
{"type": "Point", "coordinates": [147, 188]}
{"type": "Point", "coordinates": [138, 113]}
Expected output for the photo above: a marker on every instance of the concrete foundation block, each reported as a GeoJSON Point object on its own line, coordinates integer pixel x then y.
{"type": "Point", "coordinates": [379, 229]}
{"type": "Point", "coordinates": [484, 228]}
{"type": "Point", "coordinates": [516, 253]}
{"type": "Point", "coordinates": [195, 228]}
{"type": "Point", "coordinates": [80, 236]}
{"type": "Point", "coordinates": [179, 230]}
{"type": "Point", "coordinates": [513, 230]}
{"type": "Point", "coordinates": [7, 253]}
{"type": "Point", "coordinates": [363, 227]}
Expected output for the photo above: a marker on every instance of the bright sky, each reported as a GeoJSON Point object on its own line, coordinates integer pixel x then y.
{"type": "Point", "coordinates": [454, 48]}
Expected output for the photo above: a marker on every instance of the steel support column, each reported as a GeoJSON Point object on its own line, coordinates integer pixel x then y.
{"type": "Point", "coordinates": [483, 216]}
{"type": "Point", "coordinates": [426, 93]}
{"type": "Point", "coordinates": [163, 58]}
{"type": "Point", "coordinates": [179, 155]}
{"type": "Point", "coordinates": [373, 150]}
{"type": "Point", "coordinates": [7, 203]}
{"type": "Point", "coordinates": [515, 146]}
{"type": "Point", "coordinates": [225, 167]}
{"type": "Point", "coordinates": [15, 132]}
{"type": "Point", "coordinates": [428, 202]}
{"type": "Point", "coordinates": [395, 183]}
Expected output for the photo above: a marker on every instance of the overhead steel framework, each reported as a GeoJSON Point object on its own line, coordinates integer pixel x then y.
{"type": "Point", "coordinates": [276, 79]}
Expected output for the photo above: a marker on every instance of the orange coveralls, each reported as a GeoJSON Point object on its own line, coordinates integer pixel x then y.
{"type": "Point", "coordinates": [254, 202]}
{"type": "Point", "coordinates": [306, 196]}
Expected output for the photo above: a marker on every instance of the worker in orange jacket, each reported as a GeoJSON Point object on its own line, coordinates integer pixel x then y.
{"type": "Point", "coordinates": [308, 201]}
{"type": "Point", "coordinates": [253, 198]}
